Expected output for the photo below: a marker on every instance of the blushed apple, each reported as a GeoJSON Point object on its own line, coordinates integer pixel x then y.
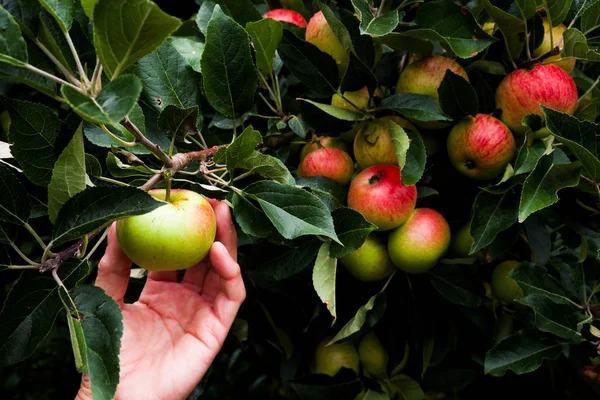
{"type": "Point", "coordinates": [319, 33]}
{"type": "Point", "coordinates": [480, 147]}
{"type": "Point", "coordinates": [175, 236]}
{"type": "Point", "coordinates": [323, 142]}
{"type": "Point", "coordinates": [332, 163]}
{"type": "Point", "coordinates": [286, 15]}
{"type": "Point", "coordinates": [370, 262]}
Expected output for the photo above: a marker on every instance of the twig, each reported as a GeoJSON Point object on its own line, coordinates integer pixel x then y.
{"type": "Point", "coordinates": [50, 76]}
{"type": "Point", "coordinates": [65, 255]}
{"type": "Point", "coordinates": [552, 52]}
{"type": "Point", "coordinates": [144, 141]}
{"type": "Point", "coordinates": [60, 65]}
{"type": "Point", "coordinates": [156, 178]}
{"type": "Point", "coordinates": [82, 73]}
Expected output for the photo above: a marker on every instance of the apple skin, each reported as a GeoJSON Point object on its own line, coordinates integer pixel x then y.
{"type": "Point", "coordinates": [330, 359]}
{"type": "Point", "coordinates": [417, 245]}
{"type": "Point", "coordinates": [319, 33]}
{"type": "Point", "coordinates": [480, 147]}
{"type": "Point", "coordinates": [285, 15]}
{"type": "Point", "coordinates": [359, 98]}
{"type": "Point", "coordinates": [461, 242]}
{"type": "Point", "coordinates": [332, 163]}
{"type": "Point", "coordinates": [325, 142]}
{"type": "Point", "coordinates": [175, 236]}
{"type": "Point", "coordinates": [373, 356]}
{"type": "Point", "coordinates": [373, 143]}
{"type": "Point", "coordinates": [370, 262]}
{"type": "Point", "coordinates": [557, 35]}
{"type": "Point", "coordinates": [504, 287]}
{"type": "Point", "coordinates": [379, 195]}
{"type": "Point", "coordinates": [524, 90]}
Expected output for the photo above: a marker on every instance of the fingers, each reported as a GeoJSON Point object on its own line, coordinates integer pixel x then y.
{"type": "Point", "coordinates": [226, 233]}
{"type": "Point", "coordinates": [114, 268]}
{"type": "Point", "coordinates": [231, 282]}
{"type": "Point", "coordinates": [194, 277]}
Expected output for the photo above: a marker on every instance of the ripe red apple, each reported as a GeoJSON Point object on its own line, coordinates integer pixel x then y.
{"type": "Point", "coordinates": [418, 244]}
{"type": "Point", "coordinates": [332, 163]}
{"type": "Point", "coordinates": [319, 33]}
{"type": "Point", "coordinates": [379, 195]}
{"type": "Point", "coordinates": [355, 100]}
{"type": "Point", "coordinates": [557, 40]}
{"type": "Point", "coordinates": [330, 359]}
{"type": "Point", "coordinates": [524, 90]}
{"type": "Point", "coordinates": [285, 15]}
{"type": "Point", "coordinates": [175, 236]}
{"type": "Point", "coordinates": [480, 147]}
{"type": "Point", "coordinates": [323, 142]}
{"type": "Point", "coordinates": [370, 262]}
{"type": "Point", "coordinates": [504, 287]}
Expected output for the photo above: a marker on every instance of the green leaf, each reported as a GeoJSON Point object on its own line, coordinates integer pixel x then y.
{"type": "Point", "coordinates": [337, 27]}
{"type": "Point", "coordinates": [336, 112]}
{"type": "Point", "coordinates": [456, 284]}
{"type": "Point", "coordinates": [13, 49]}
{"type": "Point", "coordinates": [284, 262]}
{"type": "Point", "coordinates": [299, 126]}
{"type": "Point", "coordinates": [63, 12]}
{"type": "Point", "coordinates": [125, 31]}
{"type": "Point", "coordinates": [590, 18]}
{"type": "Point", "coordinates": [457, 96]}
{"type": "Point", "coordinates": [323, 277]}
{"type": "Point", "coordinates": [357, 321]}
{"type": "Point", "coordinates": [25, 12]}
{"type": "Point", "coordinates": [96, 207]}
{"type": "Point", "coordinates": [352, 230]}
{"type": "Point", "coordinates": [543, 183]}
{"type": "Point", "coordinates": [30, 310]}
{"type": "Point", "coordinates": [230, 79]}
{"type": "Point", "coordinates": [558, 10]}
{"type": "Point", "coordinates": [331, 193]}
{"type": "Point", "coordinates": [560, 320]}
{"type": "Point", "coordinates": [168, 79]}
{"type": "Point", "coordinates": [68, 175]}
{"type": "Point", "coordinates": [100, 327]}
{"type": "Point", "coordinates": [492, 214]}
{"type": "Point", "coordinates": [33, 131]}
{"type": "Point", "coordinates": [400, 141]}
{"type": "Point", "coordinates": [294, 212]}
{"type": "Point", "coordinates": [528, 156]}
{"type": "Point", "coordinates": [453, 26]}
{"type": "Point", "coordinates": [402, 42]}
{"type": "Point", "coordinates": [513, 27]}
{"type": "Point", "coordinates": [92, 166]}
{"type": "Point", "coordinates": [521, 354]}
{"type": "Point", "coordinates": [408, 388]}
{"type": "Point", "coordinates": [14, 202]}
{"type": "Point", "coordinates": [30, 78]}
{"type": "Point", "coordinates": [266, 35]}
{"type": "Point", "coordinates": [374, 25]}
{"type": "Point", "coordinates": [241, 148]}
{"type": "Point", "coordinates": [250, 218]}
{"type": "Point", "coordinates": [115, 101]}
{"type": "Point", "coordinates": [204, 15]}
{"type": "Point", "coordinates": [576, 46]}
{"type": "Point", "coordinates": [579, 137]}
{"type": "Point", "coordinates": [178, 121]}
{"type": "Point", "coordinates": [416, 158]}
{"type": "Point", "coordinates": [415, 106]}
{"type": "Point", "coordinates": [538, 239]}
{"type": "Point", "coordinates": [242, 11]}
{"type": "Point", "coordinates": [268, 167]}
{"type": "Point", "coordinates": [88, 7]}
{"type": "Point", "coordinates": [191, 49]}
{"type": "Point", "coordinates": [535, 281]}
{"type": "Point", "coordinates": [119, 169]}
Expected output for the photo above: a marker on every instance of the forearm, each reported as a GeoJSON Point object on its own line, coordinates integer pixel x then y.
{"type": "Point", "coordinates": [85, 390]}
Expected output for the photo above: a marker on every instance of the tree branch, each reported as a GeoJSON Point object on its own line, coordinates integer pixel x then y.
{"type": "Point", "coordinates": [144, 141]}
{"type": "Point", "coordinates": [64, 256]}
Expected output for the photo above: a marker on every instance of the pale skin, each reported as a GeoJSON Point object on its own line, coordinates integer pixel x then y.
{"type": "Point", "coordinates": [174, 331]}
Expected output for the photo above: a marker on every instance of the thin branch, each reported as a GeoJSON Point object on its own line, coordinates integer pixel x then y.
{"type": "Point", "coordinates": [156, 178]}
{"type": "Point", "coordinates": [50, 76]}
{"type": "Point", "coordinates": [63, 256]}
{"type": "Point", "coordinates": [144, 141]}
{"type": "Point", "coordinates": [82, 73]}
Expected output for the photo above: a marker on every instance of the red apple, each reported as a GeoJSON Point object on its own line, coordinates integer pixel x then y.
{"type": "Point", "coordinates": [480, 147]}
{"type": "Point", "coordinates": [332, 163]}
{"type": "Point", "coordinates": [418, 244]}
{"type": "Point", "coordinates": [285, 15]}
{"type": "Point", "coordinates": [524, 90]}
{"type": "Point", "coordinates": [557, 40]}
{"type": "Point", "coordinates": [379, 195]}
{"type": "Point", "coordinates": [323, 142]}
{"type": "Point", "coordinates": [319, 33]}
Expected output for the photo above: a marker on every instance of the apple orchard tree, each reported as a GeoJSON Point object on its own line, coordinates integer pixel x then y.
{"type": "Point", "coordinates": [490, 117]}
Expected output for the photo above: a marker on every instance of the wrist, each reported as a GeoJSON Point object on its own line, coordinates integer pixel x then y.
{"type": "Point", "coordinates": [85, 389]}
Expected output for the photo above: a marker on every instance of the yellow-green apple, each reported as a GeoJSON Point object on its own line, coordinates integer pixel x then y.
{"type": "Point", "coordinates": [418, 244]}
{"type": "Point", "coordinates": [524, 90]}
{"type": "Point", "coordinates": [355, 100]}
{"type": "Point", "coordinates": [557, 40]}
{"type": "Point", "coordinates": [330, 359]}
{"type": "Point", "coordinates": [380, 196]}
{"type": "Point", "coordinates": [373, 356]}
{"type": "Point", "coordinates": [370, 262]}
{"type": "Point", "coordinates": [373, 143]}
{"type": "Point", "coordinates": [480, 147]}
{"type": "Point", "coordinates": [319, 33]}
{"type": "Point", "coordinates": [461, 242]}
{"type": "Point", "coordinates": [286, 15]}
{"type": "Point", "coordinates": [332, 163]}
{"type": "Point", "coordinates": [176, 236]}
{"type": "Point", "coordinates": [504, 287]}
{"type": "Point", "coordinates": [323, 142]}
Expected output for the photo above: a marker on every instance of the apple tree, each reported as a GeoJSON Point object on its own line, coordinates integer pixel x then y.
{"type": "Point", "coordinates": [487, 109]}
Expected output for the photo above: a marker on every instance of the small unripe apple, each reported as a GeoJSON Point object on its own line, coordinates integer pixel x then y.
{"type": "Point", "coordinates": [557, 39]}
{"type": "Point", "coordinates": [504, 287]}
{"type": "Point", "coordinates": [332, 163]}
{"type": "Point", "coordinates": [379, 195]}
{"type": "Point", "coordinates": [461, 242]}
{"type": "Point", "coordinates": [417, 245]}
{"type": "Point", "coordinates": [323, 142]}
{"type": "Point", "coordinates": [524, 90]}
{"type": "Point", "coordinates": [330, 359]}
{"type": "Point", "coordinates": [370, 262]}
{"type": "Point", "coordinates": [355, 100]}
{"type": "Point", "coordinates": [176, 236]}
{"type": "Point", "coordinates": [373, 356]}
{"type": "Point", "coordinates": [319, 33]}
{"type": "Point", "coordinates": [285, 15]}
{"type": "Point", "coordinates": [480, 147]}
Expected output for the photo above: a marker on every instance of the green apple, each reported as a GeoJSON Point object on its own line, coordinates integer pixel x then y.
{"type": "Point", "coordinates": [176, 236]}
{"type": "Point", "coordinates": [355, 100]}
{"type": "Point", "coordinates": [566, 64]}
{"type": "Point", "coordinates": [332, 163]}
{"type": "Point", "coordinates": [323, 142]}
{"type": "Point", "coordinates": [370, 262]}
{"type": "Point", "coordinates": [330, 359]}
{"type": "Point", "coordinates": [504, 287]}
{"type": "Point", "coordinates": [461, 242]}
{"type": "Point", "coordinates": [418, 244]}
{"type": "Point", "coordinates": [373, 356]}
{"type": "Point", "coordinates": [319, 33]}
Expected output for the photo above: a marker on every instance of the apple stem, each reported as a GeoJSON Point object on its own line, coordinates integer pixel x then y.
{"type": "Point", "coordinates": [168, 189]}
{"type": "Point", "coordinates": [552, 52]}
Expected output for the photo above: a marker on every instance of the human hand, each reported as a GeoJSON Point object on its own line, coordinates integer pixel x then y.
{"type": "Point", "coordinates": [174, 331]}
